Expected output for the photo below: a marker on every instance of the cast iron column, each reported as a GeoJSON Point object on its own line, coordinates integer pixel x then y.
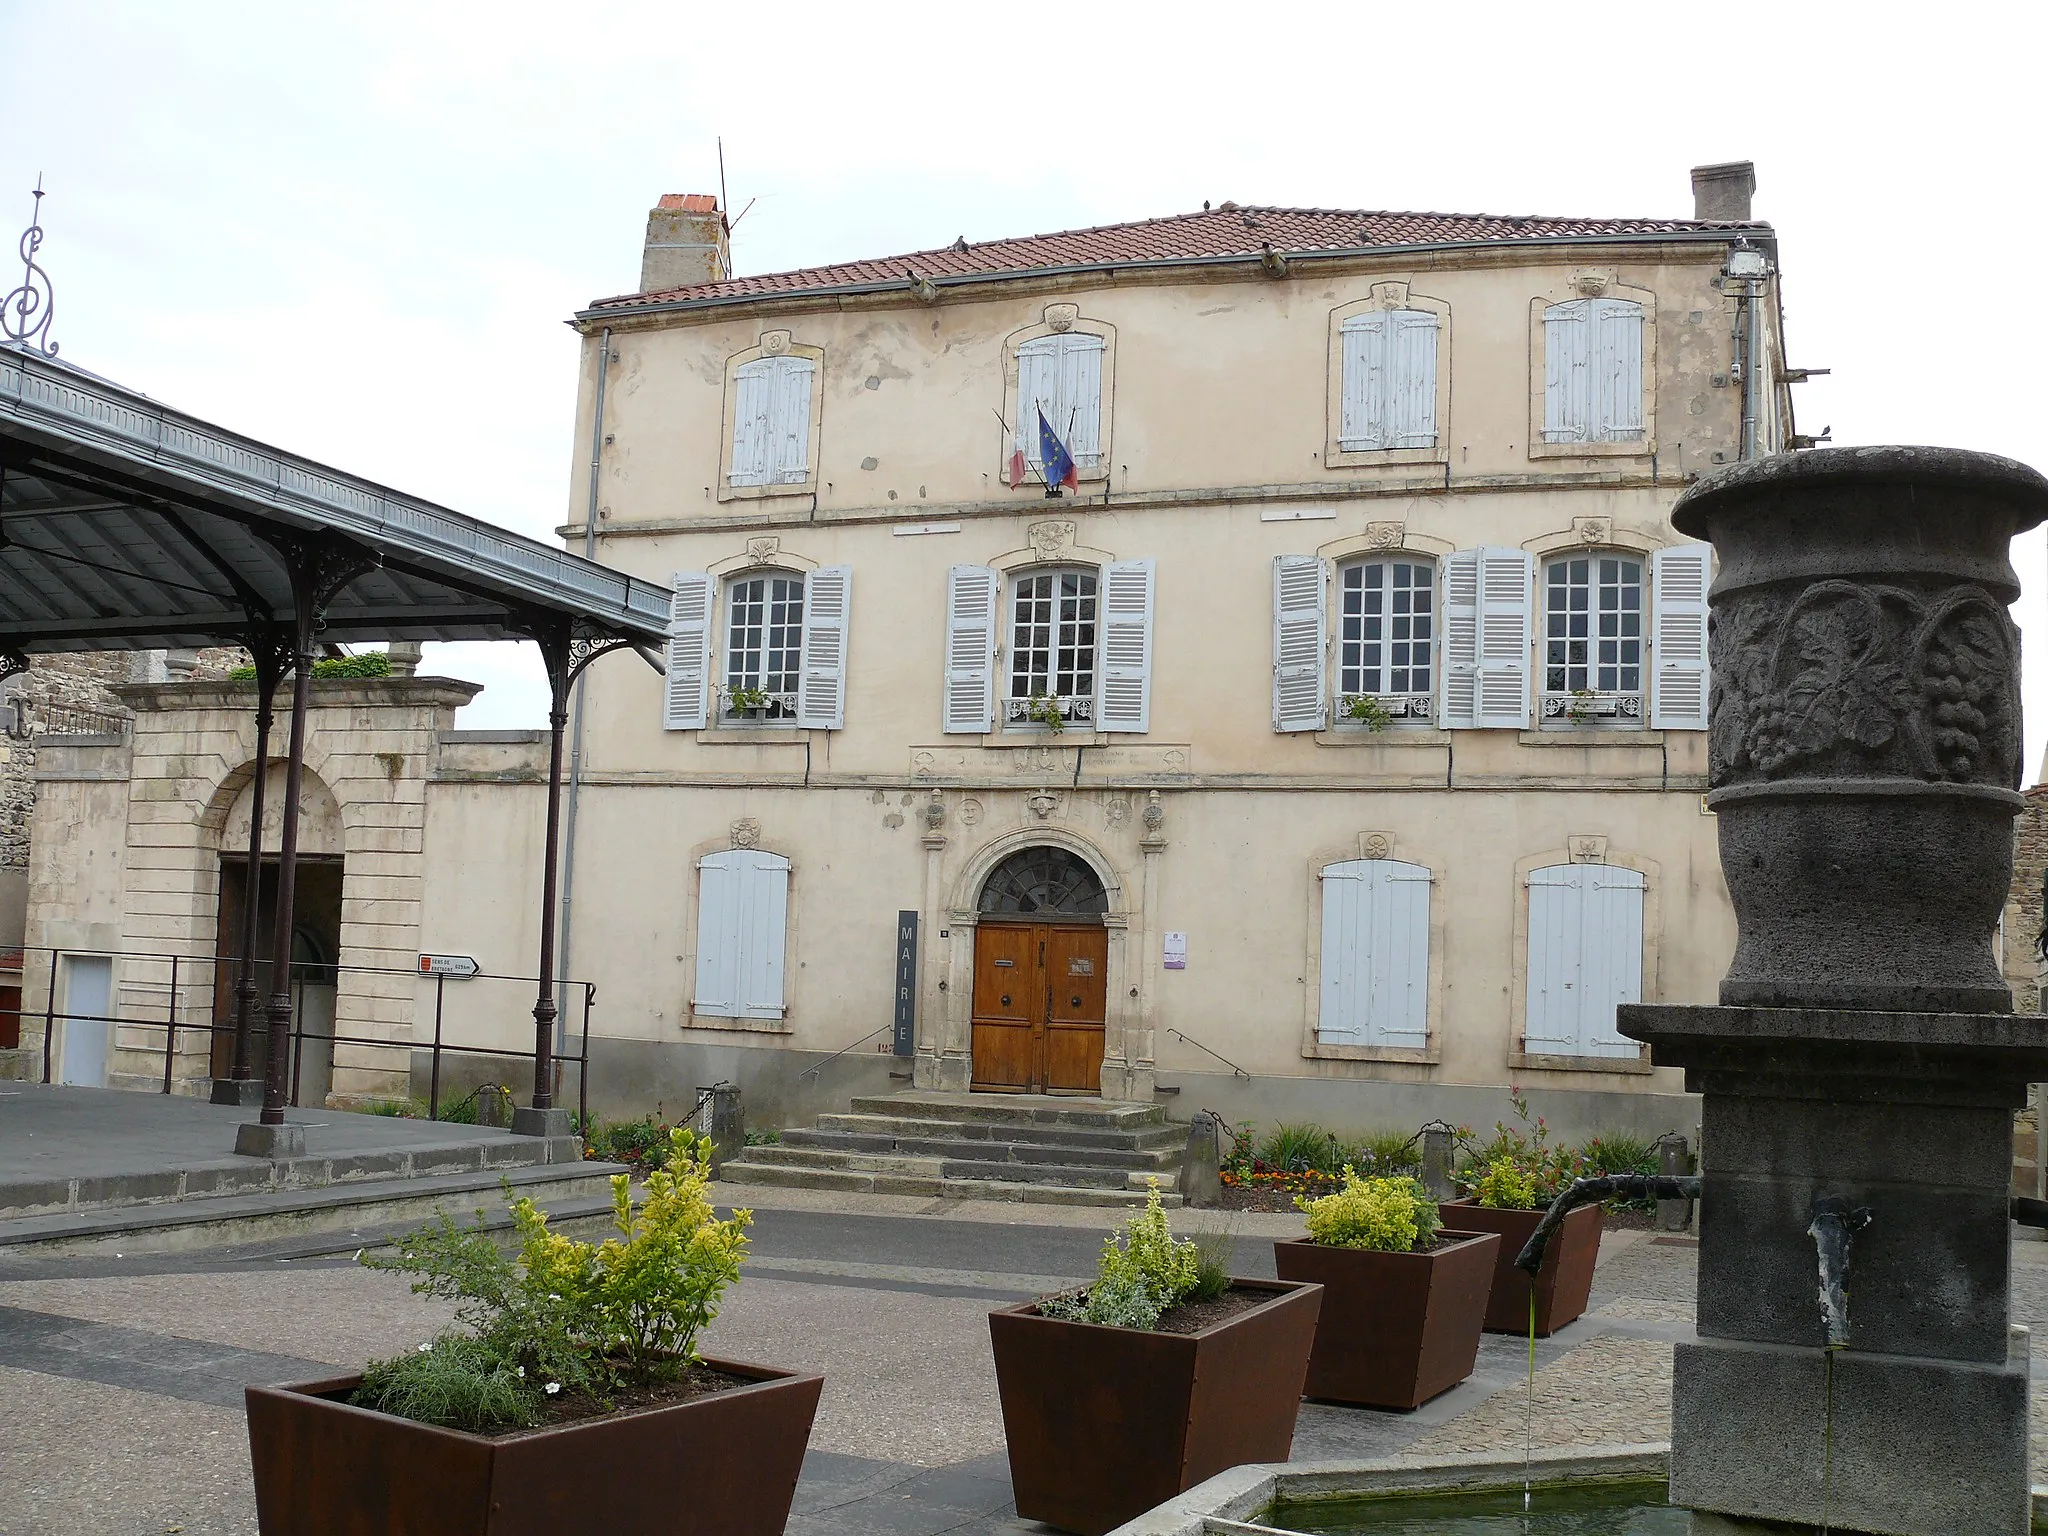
{"type": "Point", "coordinates": [272, 656]}
{"type": "Point", "coordinates": [565, 653]}
{"type": "Point", "coordinates": [318, 569]}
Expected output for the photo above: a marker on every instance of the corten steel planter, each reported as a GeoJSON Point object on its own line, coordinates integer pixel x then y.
{"type": "Point", "coordinates": [1865, 722]}
{"type": "Point", "coordinates": [1395, 1328]}
{"type": "Point", "coordinates": [719, 1465]}
{"type": "Point", "coordinates": [1105, 1423]}
{"type": "Point", "coordinates": [1563, 1284]}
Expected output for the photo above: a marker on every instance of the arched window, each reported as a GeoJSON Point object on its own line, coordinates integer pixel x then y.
{"type": "Point", "coordinates": [1052, 647]}
{"type": "Point", "coordinates": [1386, 639]}
{"type": "Point", "coordinates": [764, 633]}
{"type": "Point", "coordinates": [1043, 882]}
{"type": "Point", "coordinates": [1593, 638]}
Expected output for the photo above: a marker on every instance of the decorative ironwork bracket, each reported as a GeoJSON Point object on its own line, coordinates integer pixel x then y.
{"type": "Point", "coordinates": [27, 310]}
{"type": "Point", "coordinates": [567, 646]}
{"type": "Point", "coordinates": [320, 568]}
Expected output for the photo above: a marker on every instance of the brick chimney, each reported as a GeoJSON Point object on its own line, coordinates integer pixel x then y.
{"type": "Point", "coordinates": [687, 243]}
{"type": "Point", "coordinates": [1720, 193]}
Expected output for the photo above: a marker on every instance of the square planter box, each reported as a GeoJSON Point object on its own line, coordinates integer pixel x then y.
{"type": "Point", "coordinates": [720, 1465]}
{"type": "Point", "coordinates": [1104, 1423]}
{"type": "Point", "coordinates": [1564, 1282]}
{"type": "Point", "coordinates": [1396, 1328]}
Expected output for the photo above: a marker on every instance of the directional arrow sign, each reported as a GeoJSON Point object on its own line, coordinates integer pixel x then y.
{"type": "Point", "coordinates": [448, 965]}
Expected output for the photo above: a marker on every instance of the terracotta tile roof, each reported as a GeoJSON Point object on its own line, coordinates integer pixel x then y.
{"type": "Point", "coordinates": [1225, 232]}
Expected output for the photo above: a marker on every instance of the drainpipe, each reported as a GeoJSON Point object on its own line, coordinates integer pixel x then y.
{"type": "Point", "coordinates": [604, 367]}
{"type": "Point", "coordinates": [1752, 446]}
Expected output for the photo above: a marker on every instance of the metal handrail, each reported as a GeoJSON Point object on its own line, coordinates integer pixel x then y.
{"type": "Point", "coordinates": [1187, 1039]}
{"type": "Point", "coordinates": [819, 1066]}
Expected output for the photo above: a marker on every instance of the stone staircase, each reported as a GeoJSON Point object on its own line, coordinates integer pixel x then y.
{"type": "Point", "coordinates": [982, 1146]}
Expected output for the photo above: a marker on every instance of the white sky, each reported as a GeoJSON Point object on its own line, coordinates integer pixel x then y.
{"type": "Point", "coordinates": [355, 231]}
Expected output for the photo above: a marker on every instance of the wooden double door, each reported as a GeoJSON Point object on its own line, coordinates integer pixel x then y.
{"type": "Point", "coordinates": [1040, 996]}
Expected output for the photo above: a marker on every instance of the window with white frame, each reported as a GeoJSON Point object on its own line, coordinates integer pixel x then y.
{"type": "Point", "coordinates": [1389, 395]}
{"type": "Point", "coordinates": [1061, 375]}
{"type": "Point", "coordinates": [785, 638]}
{"type": "Point", "coordinates": [742, 925]}
{"type": "Point", "coordinates": [764, 635]}
{"type": "Point", "coordinates": [771, 421]}
{"type": "Point", "coordinates": [1375, 954]}
{"type": "Point", "coordinates": [1386, 640]}
{"type": "Point", "coordinates": [1585, 958]}
{"type": "Point", "coordinates": [1593, 371]}
{"type": "Point", "coordinates": [1593, 639]}
{"type": "Point", "coordinates": [1052, 648]}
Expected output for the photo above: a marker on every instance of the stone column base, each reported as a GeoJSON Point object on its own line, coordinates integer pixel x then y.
{"type": "Point", "coordinates": [543, 1122]}
{"type": "Point", "coordinates": [1920, 1447]}
{"type": "Point", "coordinates": [276, 1142]}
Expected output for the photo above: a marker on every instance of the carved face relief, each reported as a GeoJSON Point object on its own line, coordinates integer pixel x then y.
{"type": "Point", "coordinates": [971, 812]}
{"type": "Point", "coordinates": [1390, 295]}
{"type": "Point", "coordinates": [1043, 804]}
{"type": "Point", "coordinates": [775, 343]}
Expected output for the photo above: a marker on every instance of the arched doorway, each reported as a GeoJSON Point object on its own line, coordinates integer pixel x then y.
{"type": "Point", "coordinates": [1041, 957]}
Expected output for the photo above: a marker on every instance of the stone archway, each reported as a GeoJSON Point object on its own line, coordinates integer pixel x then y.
{"type": "Point", "coordinates": [1038, 1012]}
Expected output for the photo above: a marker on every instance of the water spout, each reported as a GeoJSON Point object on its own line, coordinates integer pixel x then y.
{"type": "Point", "coordinates": [1834, 1226]}
{"type": "Point", "coordinates": [1629, 1186]}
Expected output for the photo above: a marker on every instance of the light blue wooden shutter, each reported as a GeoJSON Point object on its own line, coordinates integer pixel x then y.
{"type": "Point", "coordinates": [1080, 404]}
{"type": "Point", "coordinates": [1585, 958]}
{"type": "Point", "coordinates": [1617, 326]}
{"type": "Point", "coordinates": [1411, 379]}
{"type": "Point", "coordinates": [1300, 643]}
{"type": "Point", "coordinates": [686, 691]}
{"type": "Point", "coordinates": [1611, 970]}
{"type": "Point", "coordinates": [1038, 388]}
{"type": "Point", "coordinates": [790, 444]}
{"type": "Point", "coordinates": [1365, 353]}
{"type": "Point", "coordinates": [1678, 679]}
{"type": "Point", "coordinates": [1507, 590]}
{"type": "Point", "coordinates": [742, 926]}
{"type": "Point", "coordinates": [1125, 702]}
{"type": "Point", "coordinates": [1568, 372]}
{"type": "Point", "coordinates": [821, 691]}
{"type": "Point", "coordinates": [1550, 1024]}
{"type": "Point", "coordinates": [973, 594]}
{"type": "Point", "coordinates": [752, 422]}
{"type": "Point", "coordinates": [1460, 707]}
{"type": "Point", "coordinates": [1375, 981]}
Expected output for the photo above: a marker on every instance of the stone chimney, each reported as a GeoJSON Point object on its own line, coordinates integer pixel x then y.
{"type": "Point", "coordinates": [687, 243]}
{"type": "Point", "coordinates": [1720, 193]}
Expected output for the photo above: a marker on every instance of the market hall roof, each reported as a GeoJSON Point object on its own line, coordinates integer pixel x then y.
{"type": "Point", "coordinates": [1221, 234]}
{"type": "Point", "coordinates": [126, 525]}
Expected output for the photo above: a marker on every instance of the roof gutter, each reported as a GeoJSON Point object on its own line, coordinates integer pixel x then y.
{"type": "Point", "coordinates": [604, 313]}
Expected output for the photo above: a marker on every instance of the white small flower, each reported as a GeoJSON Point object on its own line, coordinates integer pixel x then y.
{"type": "Point", "coordinates": [522, 1373]}
{"type": "Point", "coordinates": [553, 1387]}
{"type": "Point", "coordinates": [553, 1297]}
{"type": "Point", "coordinates": [424, 1348]}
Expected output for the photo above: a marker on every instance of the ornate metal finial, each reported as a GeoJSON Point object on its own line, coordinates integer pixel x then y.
{"type": "Point", "coordinates": [26, 312]}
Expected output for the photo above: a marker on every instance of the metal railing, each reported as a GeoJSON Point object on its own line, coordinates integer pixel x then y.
{"type": "Point", "coordinates": [157, 993]}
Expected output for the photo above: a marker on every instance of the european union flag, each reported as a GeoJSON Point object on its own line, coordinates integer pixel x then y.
{"type": "Point", "coordinates": [1052, 453]}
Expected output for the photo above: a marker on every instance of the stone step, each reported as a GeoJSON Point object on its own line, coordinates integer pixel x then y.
{"type": "Point", "coordinates": [1022, 1108]}
{"type": "Point", "coordinates": [907, 1165]}
{"type": "Point", "coordinates": [362, 1206]}
{"type": "Point", "coordinates": [977, 1149]}
{"type": "Point", "coordinates": [914, 1128]}
{"type": "Point", "coordinates": [857, 1181]}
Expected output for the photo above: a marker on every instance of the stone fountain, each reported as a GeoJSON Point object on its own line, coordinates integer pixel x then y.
{"type": "Point", "coordinates": [1855, 1360]}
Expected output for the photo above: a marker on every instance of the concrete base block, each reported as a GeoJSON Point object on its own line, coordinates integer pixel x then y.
{"type": "Point", "coordinates": [248, 1094]}
{"type": "Point", "coordinates": [20, 1066]}
{"type": "Point", "coordinates": [1920, 1447]}
{"type": "Point", "coordinates": [543, 1122]}
{"type": "Point", "coordinates": [276, 1142]}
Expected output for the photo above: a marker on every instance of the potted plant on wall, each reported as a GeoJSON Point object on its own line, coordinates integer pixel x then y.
{"type": "Point", "coordinates": [1164, 1372]}
{"type": "Point", "coordinates": [571, 1400]}
{"type": "Point", "coordinates": [1403, 1297]}
{"type": "Point", "coordinates": [1509, 1184]}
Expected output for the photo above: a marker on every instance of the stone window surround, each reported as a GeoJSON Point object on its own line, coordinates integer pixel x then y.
{"type": "Point", "coordinates": [1058, 548]}
{"type": "Point", "coordinates": [758, 555]}
{"type": "Point", "coordinates": [1518, 979]}
{"type": "Point", "coordinates": [1382, 541]}
{"type": "Point", "coordinates": [773, 343]}
{"type": "Point", "coordinates": [687, 1017]}
{"type": "Point", "coordinates": [1069, 320]}
{"type": "Point", "coordinates": [1371, 845]}
{"type": "Point", "coordinates": [1591, 284]}
{"type": "Point", "coordinates": [1593, 536]}
{"type": "Point", "coordinates": [1390, 293]}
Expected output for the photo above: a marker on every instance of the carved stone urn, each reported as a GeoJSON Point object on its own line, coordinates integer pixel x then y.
{"type": "Point", "coordinates": [1865, 736]}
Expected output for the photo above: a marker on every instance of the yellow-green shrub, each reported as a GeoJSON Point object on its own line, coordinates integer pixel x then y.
{"type": "Point", "coordinates": [1505, 1187]}
{"type": "Point", "coordinates": [1391, 1215]}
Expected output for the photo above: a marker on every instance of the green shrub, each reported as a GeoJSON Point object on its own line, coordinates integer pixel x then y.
{"type": "Point", "coordinates": [1301, 1149]}
{"type": "Point", "coordinates": [1619, 1152]}
{"type": "Point", "coordinates": [1391, 1215]}
{"type": "Point", "coordinates": [364, 664]}
{"type": "Point", "coordinates": [1144, 1271]}
{"type": "Point", "coordinates": [565, 1315]}
{"type": "Point", "coordinates": [1504, 1187]}
{"type": "Point", "coordinates": [1386, 1151]}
